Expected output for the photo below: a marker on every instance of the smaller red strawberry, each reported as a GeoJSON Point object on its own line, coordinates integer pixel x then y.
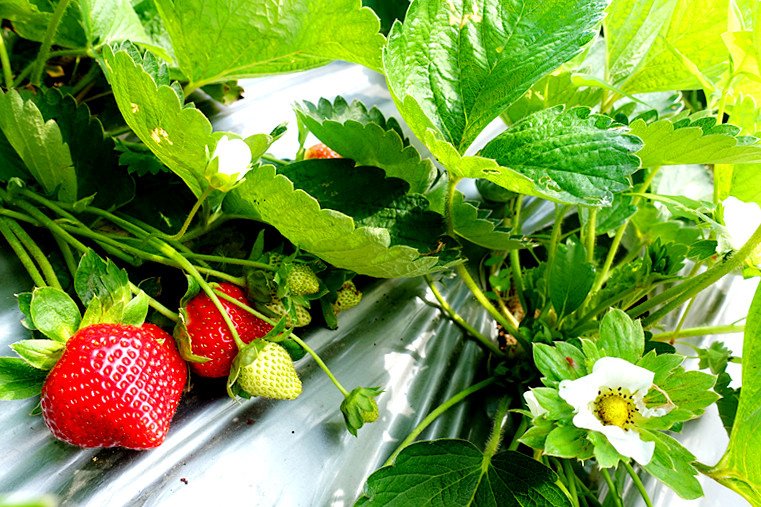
{"type": "Point", "coordinates": [211, 338]}
{"type": "Point", "coordinates": [320, 151]}
{"type": "Point", "coordinates": [116, 385]}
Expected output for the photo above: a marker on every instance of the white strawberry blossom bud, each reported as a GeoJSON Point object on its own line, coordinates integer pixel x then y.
{"type": "Point", "coordinates": [233, 157]}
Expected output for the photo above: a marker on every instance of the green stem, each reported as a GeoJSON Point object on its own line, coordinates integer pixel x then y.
{"type": "Point", "coordinates": [124, 129]}
{"type": "Point", "coordinates": [495, 439]}
{"type": "Point", "coordinates": [638, 484]}
{"type": "Point", "coordinates": [86, 80]}
{"type": "Point", "coordinates": [613, 491]}
{"type": "Point", "coordinates": [21, 253]}
{"type": "Point", "coordinates": [68, 255]}
{"type": "Point", "coordinates": [235, 280]}
{"type": "Point", "coordinates": [321, 364]}
{"type": "Point", "coordinates": [697, 331]}
{"type": "Point", "coordinates": [591, 235]}
{"type": "Point", "coordinates": [37, 254]}
{"type": "Point", "coordinates": [557, 229]}
{"type": "Point", "coordinates": [511, 325]}
{"type": "Point", "coordinates": [435, 413]}
{"type": "Point", "coordinates": [570, 476]}
{"type": "Point", "coordinates": [601, 307]}
{"type": "Point", "coordinates": [522, 427]}
{"type": "Point", "coordinates": [457, 319]}
{"type": "Point", "coordinates": [681, 292]}
{"type": "Point", "coordinates": [191, 270]}
{"type": "Point", "coordinates": [163, 310]}
{"type": "Point", "coordinates": [51, 225]}
{"type": "Point", "coordinates": [449, 205]}
{"type": "Point", "coordinates": [47, 41]}
{"type": "Point", "coordinates": [191, 215]}
{"type": "Point", "coordinates": [231, 260]}
{"type": "Point", "coordinates": [274, 160]}
{"type": "Point", "coordinates": [515, 267]}
{"type": "Point", "coordinates": [604, 273]}
{"type": "Point", "coordinates": [307, 348]}
{"type": "Point", "coordinates": [5, 62]}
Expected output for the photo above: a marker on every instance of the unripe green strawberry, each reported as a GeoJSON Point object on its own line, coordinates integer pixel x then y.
{"type": "Point", "coordinates": [271, 375]}
{"type": "Point", "coordinates": [372, 415]}
{"type": "Point", "coordinates": [348, 297]}
{"type": "Point", "coordinates": [303, 317]}
{"type": "Point", "coordinates": [302, 280]}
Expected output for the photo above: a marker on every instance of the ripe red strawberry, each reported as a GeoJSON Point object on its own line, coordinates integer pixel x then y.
{"type": "Point", "coordinates": [116, 385]}
{"type": "Point", "coordinates": [320, 151]}
{"type": "Point", "coordinates": [210, 337]}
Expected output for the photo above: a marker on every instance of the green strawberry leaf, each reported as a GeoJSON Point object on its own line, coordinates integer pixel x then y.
{"type": "Point", "coordinates": [213, 42]}
{"type": "Point", "coordinates": [570, 278]}
{"type": "Point", "coordinates": [672, 465]}
{"type": "Point", "coordinates": [181, 137]}
{"type": "Point", "coordinates": [571, 155]}
{"type": "Point", "coordinates": [729, 401]}
{"type": "Point", "coordinates": [715, 357]}
{"type": "Point", "coordinates": [388, 11]}
{"type": "Point", "coordinates": [473, 224]}
{"type": "Point", "coordinates": [39, 144]}
{"type": "Point", "coordinates": [605, 454]}
{"type": "Point", "coordinates": [427, 472]}
{"type": "Point", "coordinates": [18, 380]}
{"type": "Point", "coordinates": [366, 137]}
{"type": "Point", "coordinates": [693, 140]}
{"type": "Point", "coordinates": [740, 467]}
{"type": "Point", "coordinates": [357, 220]}
{"type": "Point", "coordinates": [86, 24]}
{"type": "Point", "coordinates": [54, 313]}
{"type": "Point", "coordinates": [92, 153]}
{"type": "Point", "coordinates": [558, 88]}
{"type": "Point", "coordinates": [620, 336]}
{"type": "Point", "coordinates": [40, 354]}
{"type": "Point", "coordinates": [508, 46]}
{"type": "Point", "coordinates": [663, 45]}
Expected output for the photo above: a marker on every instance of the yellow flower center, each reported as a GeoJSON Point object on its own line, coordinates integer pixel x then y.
{"type": "Point", "coordinates": [614, 407]}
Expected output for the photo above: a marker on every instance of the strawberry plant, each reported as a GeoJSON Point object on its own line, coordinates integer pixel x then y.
{"type": "Point", "coordinates": [584, 171]}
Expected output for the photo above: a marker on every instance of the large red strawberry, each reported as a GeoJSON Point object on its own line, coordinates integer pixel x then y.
{"type": "Point", "coordinates": [210, 337]}
{"type": "Point", "coordinates": [116, 385]}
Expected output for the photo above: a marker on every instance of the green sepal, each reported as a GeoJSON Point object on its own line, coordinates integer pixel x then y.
{"type": "Point", "coordinates": [105, 291]}
{"type": "Point", "coordinates": [24, 305]}
{"type": "Point", "coordinates": [40, 354]}
{"type": "Point", "coordinates": [19, 380]}
{"type": "Point", "coordinates": [554, 365]}
{"type": "Point", "coordinates": [536, 435]}
{"type": "Point", "coordinates": [556, 407]}
{"type": "Point", "coordinates": [54, 313]}
{"type": "Point", "coordinates": [604, 453]}
{"type": "Point", "coordinates": [360, 407]}
{"type": "Point", "coordinates": [620, 336]}
{"type": "Point", "coordinates": [672, 465]}
{"type": "Point", "coordinates": [568, 442]}
{"type": "Point", "coordinates": [184, 341]}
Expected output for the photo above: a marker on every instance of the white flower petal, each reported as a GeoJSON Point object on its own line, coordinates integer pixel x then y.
{"type": "Point", "coordinates": [616, 372]}
{"type": "Point", "coordinates": [580, 392]}
{"type": "Point", "coordinates": [629, 443]}
{"type": "Point", "coordinates": [233, 156]}
{"type": "Point", "coordinates": [533, 405]}
{"type": "Point", "coordinates": [741, 220]}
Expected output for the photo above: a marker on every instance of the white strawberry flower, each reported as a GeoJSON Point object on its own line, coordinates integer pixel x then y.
{"type": "Point", "coordinates": [233, 157]}
{"type": "Point", "coordinates": [610, 400]}
{"type": "Point", "coordinates": [741, 220]}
